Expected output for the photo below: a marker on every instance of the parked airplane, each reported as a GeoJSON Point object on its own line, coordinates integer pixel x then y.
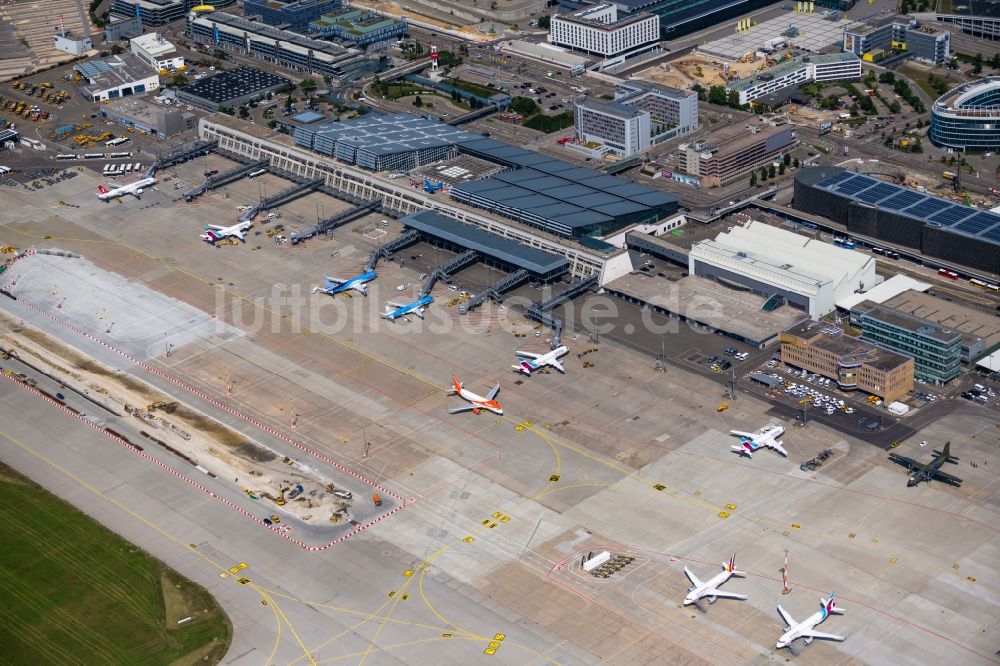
{"type": "Point", "coordinates": [135, 189]}
{"type": "Point", "coordinates": [806, 629]}
{"type": "Point", "coordinates": [766, 437]}
{"type": "Point", "coordinates": [700, 590]}
{"type": "Point", "coordinates": [214, 233]}
{"type": "Point", "coordinates": [416, 307]}
{"type": "Point", "coordinates": [333, 286]}
{"type": "Point", "coordinates": [932, 470]}
{"type": "Point", "coordinates": [477, 403]}
{"type": "Point", "coordinates": [540, 360]}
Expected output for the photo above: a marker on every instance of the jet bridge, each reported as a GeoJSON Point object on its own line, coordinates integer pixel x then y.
{"type": "Point", "coordinates": [183, 154]}
{"type": "Point", "coordinates": [408, 237]}
{"type": "Point", "coordinates": [224, 178]}
{"type": "Point", "coordinates": [577, 287]}
{"type": "Point", "coordinates": [496, 291]}
{"type": "Point", "coordinates": [291, 193]}
{"type": "Point", "coordinates": [445, 271]}
{"type": "Point", "coordinates": [338, 220]}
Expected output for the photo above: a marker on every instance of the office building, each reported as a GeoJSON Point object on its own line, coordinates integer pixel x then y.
{"type": "Point", "coordinates": [161, 121]}
{"type": "Point", "coordinates": [230, 88]}
{"type": "Point", "coordinates": [358, 26]}
{"type": "Point", "coordinates": [158, 13]}
{"type": "Point", "coordinates": [853, 363]}
{"type": "Point", "coordinates": [283, 48]}
{"type": "Point", "coordinates": [789, 268]}
{"type": "Point", "coordinates": [796, 72]}
{"type": "Point", "coordinates": [116, 76]}
{"type": "Point", "coordinates": [599, 30]}
{"type": "Point", "coordinates": [968, 117]}
{"type": "Point", "coordinates": [681, 17]}
{"type": "Point", "coordinates": [732, 152]}
{"type": "Point", "coordinates": [294, 15]}
{"type": "Point", "coordinates": [936, 351]}
{"type": "Point", "coordinates": [120, 28]}
{"type": "Point", "coordinates": [980, 330]}
{"type": "Point", "coordinates": [619, 129]}
{"type": "Point", "coordinates": [156, 51]}
{"type": "Point", "coordinates": [875, 41]}
{"type": "Point", "coordinates": [900, 216]}
{"type": "Point", "coordinates": [675, 110]}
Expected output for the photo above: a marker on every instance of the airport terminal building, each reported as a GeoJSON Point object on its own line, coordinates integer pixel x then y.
{"type": "Point", "coordinates": [783, 267]}
{"type": "Point", "coordinates": [901, 216]}
{"type": "Point", "coordinates": [968, 117]}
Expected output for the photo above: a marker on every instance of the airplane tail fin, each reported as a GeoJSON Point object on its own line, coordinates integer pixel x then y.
{"type": "Point", "coordinates": [730, 566]}
{"type": "Point", "coordinates": [102, 189]}
{"type": "Point", "coordinates": [456, 385]}
{"type": "Point", "coordinates": [946, 452]}
{"type": "Point", "coordinates": [742, 450]}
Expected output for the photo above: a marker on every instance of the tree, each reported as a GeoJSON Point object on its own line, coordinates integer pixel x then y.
{"type": "Point", "coordinates": [781, 169]}
{"type": "Point", "coordinates": [886, 77]}
{"type": "Point", "coordinates": [268, 96]}
{"type": "Point", "coordinates": [417, 102]}
{"type": "Point", "coordinates": [327, 79]}
{"type": "Point", "coordinates": [763, 173]}
{"type": "Point", "coordinates": [977, 64]}
{"type": "Point", "coordinates": [717, 95]}
{"type": "Point", "coordinates": [770, 171]}
{"type": "Point", "coordinates": [116, 49]}
{"type": "Point", "coordinates": [787, 159]}
{"type": "Point", "coordinates": [243, 112]}
{"type": "Point", "coordinates": [700, 89]}
{"type": "Point", "coordinates": [733, 98]}
{"type": "Point", "coordinates": [523, 105]}
{"type": "Point", "coordinates": [795, 163]}
{"type": "Point", "coordinates": [753, 179]}
{"type": "Point", "coordinates": [544, 22]}
{"type": "Point", "coordinates": [307, 86]}
{"type": "Point", "coordinates": [995, 61]}
{"type": "Point", "coordinates": [179, 80]}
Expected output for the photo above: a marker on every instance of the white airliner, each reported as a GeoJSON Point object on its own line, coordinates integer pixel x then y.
{"type": "Point", "coordinates": [214, 233]}
{"type": "Point", "coordinates": [766, 437]}
{"type": "Point", "coordinates": [530, 361]}
{"type": "Point", "coordinates": [135, 189]}
{"type": "Point", "coordinates": [710, 588]}
{"type": "Point", "coordinates": [805, 629]}
{"type": "Point", "coordinates": [477, 403]}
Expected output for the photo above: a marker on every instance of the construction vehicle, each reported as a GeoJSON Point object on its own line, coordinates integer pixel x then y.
{"type": "Point", "coordinates": [296, 492]}
{"type": "Point", "coordinates": [722, 407]}
{"type": "Point", "coordinates": [377, 499]}
{"type": "Point", "coordinates": [275, 518]}
{"type": "Point", "coordinates": [45, 84]}
{"type": "Point", "coordinates": [329, 487]}
{"type": "Point", "coordinates": [280, 499]}
{"type": "Point", "coordinates": [808, 400]}
{"type": "Point", "coordinates": [167, 407]}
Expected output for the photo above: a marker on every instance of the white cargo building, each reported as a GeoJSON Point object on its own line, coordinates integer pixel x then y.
{"type": "Point", "coordinates": [156, 51]}
{"type": "Point", "coordinates": [778, 264]}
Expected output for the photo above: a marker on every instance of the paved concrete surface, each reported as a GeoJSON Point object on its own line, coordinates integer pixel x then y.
{"type": "Point", "coordinates": [498, 510]}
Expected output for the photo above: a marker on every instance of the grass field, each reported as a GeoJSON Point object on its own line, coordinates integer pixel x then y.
{"type": "Point", "coordinates": [75, 593]}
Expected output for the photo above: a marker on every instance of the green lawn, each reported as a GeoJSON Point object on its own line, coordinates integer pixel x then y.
{"type": "Point", "coordinates": [75, 593]}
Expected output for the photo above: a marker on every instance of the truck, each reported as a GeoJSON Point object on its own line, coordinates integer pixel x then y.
{"type": "Point", "coordinates": [949, 175]}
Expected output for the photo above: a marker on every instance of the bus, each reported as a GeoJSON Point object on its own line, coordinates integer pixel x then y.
{"type": "Point", "coordinates": [945, 273]}
{"type": "Point", "coordinates": [66, 156]}
{"type": "Point", "coordinates": [136, 166]}
{"type": "Point", "coordinates": [845, 243]}
{"type": "Point", "coordinates": [93, 156]}
{"type": "Point", "coordinates": [117, 142]}
{"type": "Point", "coordinates": [117, 155]}
{"type": "Point", "coordinates": [982, 284]}
{"type": "Point", "coordinates": [810, 225]}
{"type": "Point", "coordinates": [128, 168]}
{"type": "Point", "coordinates": [258, 172]}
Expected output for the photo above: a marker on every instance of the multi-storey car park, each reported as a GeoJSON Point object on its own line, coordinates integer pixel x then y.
{"type": "Point", "coordinates": [282, 47]}
{"type": "Point", "coordinates": [296, 14]}
{"type": "Point", "coordinates": [968, 117]}
{"type": "Point", "coordinates": [934, 226]}
{"type": "Point", "coordinates": [680, 17]}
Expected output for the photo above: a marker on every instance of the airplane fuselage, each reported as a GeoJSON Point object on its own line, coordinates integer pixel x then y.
{"type": "Point", "coordinates": [357, 283]}
{"type": "Point", "coordinates": [480, 403]}
{"type": "Point", "coordinates": [699, 591]}
{"type": "Point", "coordinates": [408, 308]}
{"type": "Point", "coordinates": [797, 632]}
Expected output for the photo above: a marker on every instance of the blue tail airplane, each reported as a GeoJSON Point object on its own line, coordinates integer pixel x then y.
{"type": "Point", "coordinates": [416, 308]}
{"type": "Point", "coordinates": [332, 286]}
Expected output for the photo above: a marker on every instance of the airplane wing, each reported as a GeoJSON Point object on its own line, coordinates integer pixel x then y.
{"type": "Point", "coordinates": [691, 577]}
{"type": "Point", "coordinates": [789, 621]}
{"type": "Point", "coordinates": [213, 227]}
{"type": "Point", "coordinates": [459, 410]}
{"type": "Point", "coordinates": [360, 288]}
{"type": "Point", "coordinates": [333, 281]}
{"type": "Point", "coordinates": [748, 435]}
{"type": "Point", "coordinates": [397, 305]}
{"type": "Point", "coordinates": [525, 354]}
{"type": "Point", "coordinates": [820, 634]}
{"type": "Point", "coordinates": [947, 478]}
{"type": "Point", "coordinates": [778, 447]}
{"type": "Point", "coordinates": [557, 365]}
{"type": "Point", "coordinates": [493, 392]}
{"type": "Point", "coordinates": [716, 592]}
{"type": "Point", "coordinates": [903, 460]}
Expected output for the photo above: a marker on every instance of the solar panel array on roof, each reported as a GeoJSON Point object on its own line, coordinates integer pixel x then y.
{"type": "Point", "coordinates": [877, 193]}
{"type": "Point", "coordinates": [921, 207]}
{"type": "Point", "coordinates": [234, 84]}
